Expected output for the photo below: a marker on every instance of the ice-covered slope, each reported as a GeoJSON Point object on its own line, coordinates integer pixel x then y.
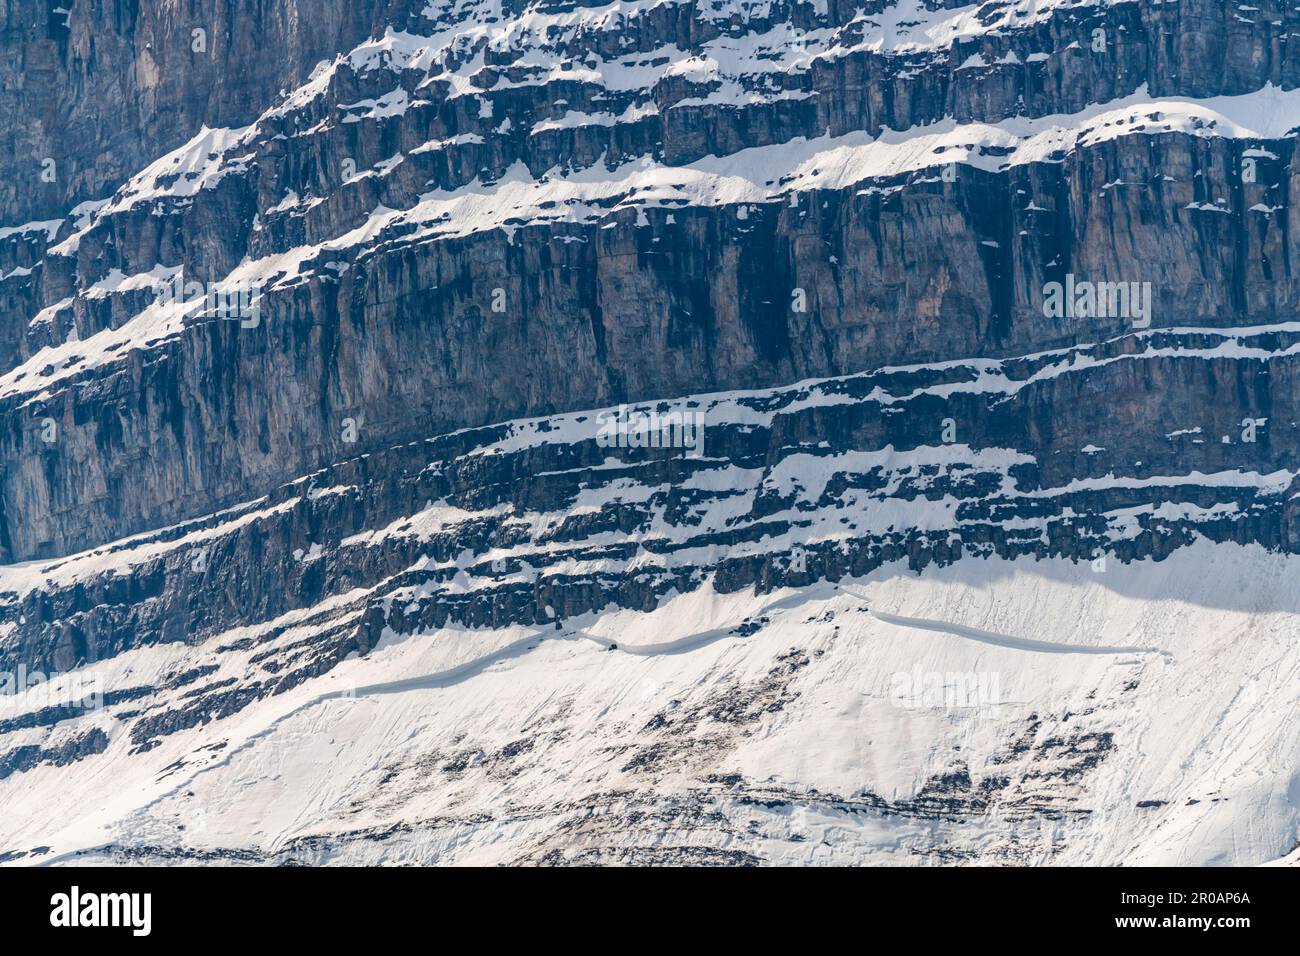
{"type": "Point", "coordinates": [1138, 715]}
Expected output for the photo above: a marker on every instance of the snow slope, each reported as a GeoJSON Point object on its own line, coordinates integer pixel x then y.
{"type": "Point", "coordinates": [1141, 715]}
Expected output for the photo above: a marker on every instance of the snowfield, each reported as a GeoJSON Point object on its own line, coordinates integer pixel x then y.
{"type": "Point", "coordinates": [1134, 714]}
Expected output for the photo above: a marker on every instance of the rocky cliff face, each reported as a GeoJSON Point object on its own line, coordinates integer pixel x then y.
{"type": "Point", "coordinates": [520, 211]}
{"type": "Point", "coordinates": [314, 325]}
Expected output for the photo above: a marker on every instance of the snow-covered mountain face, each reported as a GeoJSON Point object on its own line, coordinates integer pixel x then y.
{"type": "Point", "coordinates": [650, 432]}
